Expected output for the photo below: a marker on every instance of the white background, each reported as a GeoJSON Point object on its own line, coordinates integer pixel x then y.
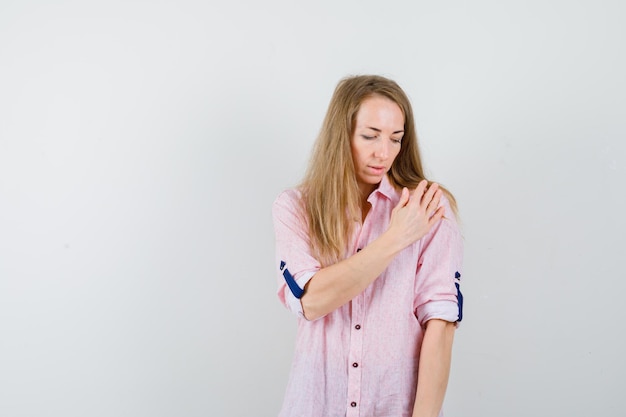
{"type": "Point", "coordinates": [143, 142]}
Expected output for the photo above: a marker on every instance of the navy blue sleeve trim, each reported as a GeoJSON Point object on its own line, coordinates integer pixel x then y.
{"type": "Point", "coordinates": [459, 296]}
{"type": "Point", "coordinates": [291, 282]}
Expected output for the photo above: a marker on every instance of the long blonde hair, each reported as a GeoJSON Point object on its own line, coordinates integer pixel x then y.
{"type": "Point", "coordinates": [331, 196]}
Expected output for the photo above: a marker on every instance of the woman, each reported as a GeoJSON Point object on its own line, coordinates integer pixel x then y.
{"type": "Point", "coordinates": [369, 263]}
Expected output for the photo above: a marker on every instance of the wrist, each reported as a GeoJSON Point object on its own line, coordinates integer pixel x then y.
{"type": "Point", "coordinates": [391, 243]}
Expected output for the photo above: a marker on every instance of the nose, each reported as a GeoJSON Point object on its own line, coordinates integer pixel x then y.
{"type": "Point", "coordinates": [382, 148]}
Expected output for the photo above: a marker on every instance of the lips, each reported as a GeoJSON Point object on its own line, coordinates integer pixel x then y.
{"type": "Point", "coordinates": [377, 170]}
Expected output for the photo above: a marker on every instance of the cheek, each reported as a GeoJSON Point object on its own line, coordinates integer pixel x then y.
{"type": "Point", "coordinates": [357, 153]}
{"type": "Point", "coordinates": [397, 152]}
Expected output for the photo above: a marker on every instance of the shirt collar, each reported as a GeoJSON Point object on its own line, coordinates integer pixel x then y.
{"type": "Point", "coordinates": [386, 189]}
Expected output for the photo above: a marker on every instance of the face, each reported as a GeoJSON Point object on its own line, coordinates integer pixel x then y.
{"type": "Point", "coordinates": [376, 140]}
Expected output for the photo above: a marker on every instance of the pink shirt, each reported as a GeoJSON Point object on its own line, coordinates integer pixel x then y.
{"type": "Point", "coordinates": [362, 359]}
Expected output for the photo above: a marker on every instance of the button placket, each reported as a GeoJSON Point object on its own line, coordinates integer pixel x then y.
{"type": "Point", "coordinates": [356, 338]}
{"type": "Point", "coordinates": [356, 348]}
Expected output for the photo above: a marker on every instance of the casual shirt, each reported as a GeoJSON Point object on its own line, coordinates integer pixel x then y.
{"type": "Point", "coordinates": [362, 358]}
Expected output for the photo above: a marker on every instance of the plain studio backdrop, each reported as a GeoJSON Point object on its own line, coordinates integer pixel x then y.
{"type": "Point", "coordinates": [142, 144]}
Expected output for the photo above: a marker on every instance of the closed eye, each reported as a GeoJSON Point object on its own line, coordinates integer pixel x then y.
{"type": "Point", "coordinates": [368, 137]}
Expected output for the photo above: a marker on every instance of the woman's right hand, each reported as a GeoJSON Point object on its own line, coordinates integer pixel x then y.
{"type": "Point", "coordinates": [415, 214]}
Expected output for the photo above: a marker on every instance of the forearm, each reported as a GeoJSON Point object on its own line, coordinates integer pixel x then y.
{"type": "Point", "coordinates": [434, 368]}
{"type": "Point", "coordinates": [337, 284]}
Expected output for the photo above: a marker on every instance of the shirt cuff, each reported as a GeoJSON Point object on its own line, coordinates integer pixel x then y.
{"type": "Point", "coordinates": [443, 310]}
{"type": "Point", "coordinates": [294, 303]}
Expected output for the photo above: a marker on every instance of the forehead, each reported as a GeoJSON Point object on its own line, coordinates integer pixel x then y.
{"type": "Point", "coordinates": [379, 109]}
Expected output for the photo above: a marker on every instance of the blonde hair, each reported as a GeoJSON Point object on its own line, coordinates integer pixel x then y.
{"type": "Point", "coordinates": [331, 196]}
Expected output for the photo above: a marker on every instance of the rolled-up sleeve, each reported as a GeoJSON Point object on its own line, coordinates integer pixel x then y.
{"type": "Point", "coordinates": [437, 285]}
{"type": "Point", "coordinates": [293, 254]}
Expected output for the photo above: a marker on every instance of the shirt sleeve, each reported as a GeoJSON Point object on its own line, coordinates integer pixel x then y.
{"type": "Point", "coordinates": [294, 262]}
{"type": "Point", "coordinates": [437, 284]}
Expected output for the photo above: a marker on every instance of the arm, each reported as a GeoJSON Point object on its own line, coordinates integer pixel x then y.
{"type": "Point", "coordinates": [434, 368]}
{"type": "Point", "coordinates": [335, 285]}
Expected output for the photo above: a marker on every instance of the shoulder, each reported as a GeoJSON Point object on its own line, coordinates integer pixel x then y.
{"type": "Point", "coordinates": [289, 196]}
{"type": "Point", "coordinates": [445, 203]}
{"type": "Point", "coordinates": [288, 201]}
{"type": "Point", "coordinates": [446, 233]}
{"type": "Point", "coordinates": [289, 216]}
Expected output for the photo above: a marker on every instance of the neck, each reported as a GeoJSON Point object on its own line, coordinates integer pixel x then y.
{"type": "Point", "coordinates": [366, 190]}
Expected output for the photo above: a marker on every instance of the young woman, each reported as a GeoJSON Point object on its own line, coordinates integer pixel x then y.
{"type": "Point", "coordinates": [369, 258]}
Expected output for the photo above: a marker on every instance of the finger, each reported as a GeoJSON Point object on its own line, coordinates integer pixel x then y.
{"type": "Point", "coordinates": [434, 203]}
{"type": "Point", "coordinates": [437, 216]}
{"type": "Point", "coordinates": [404, 197]}
{"type": "Point", "coordinates": [430, 193]}
{"type": "Point", "coordinates": [418, 192]}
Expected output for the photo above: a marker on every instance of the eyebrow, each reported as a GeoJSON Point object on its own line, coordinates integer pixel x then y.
{"type": "Point", "coordinates": [380, 131]}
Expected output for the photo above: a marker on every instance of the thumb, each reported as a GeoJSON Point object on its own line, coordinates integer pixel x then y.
{"type": "Point", "coordinates": [404, 197]}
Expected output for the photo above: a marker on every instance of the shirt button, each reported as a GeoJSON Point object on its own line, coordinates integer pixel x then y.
{"type": "Point", "coordinates": [358, 327]}
{"type": "Point", "coordinates": [355, 365]}
{"type": "Point", "coordinates": [353, 404]}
